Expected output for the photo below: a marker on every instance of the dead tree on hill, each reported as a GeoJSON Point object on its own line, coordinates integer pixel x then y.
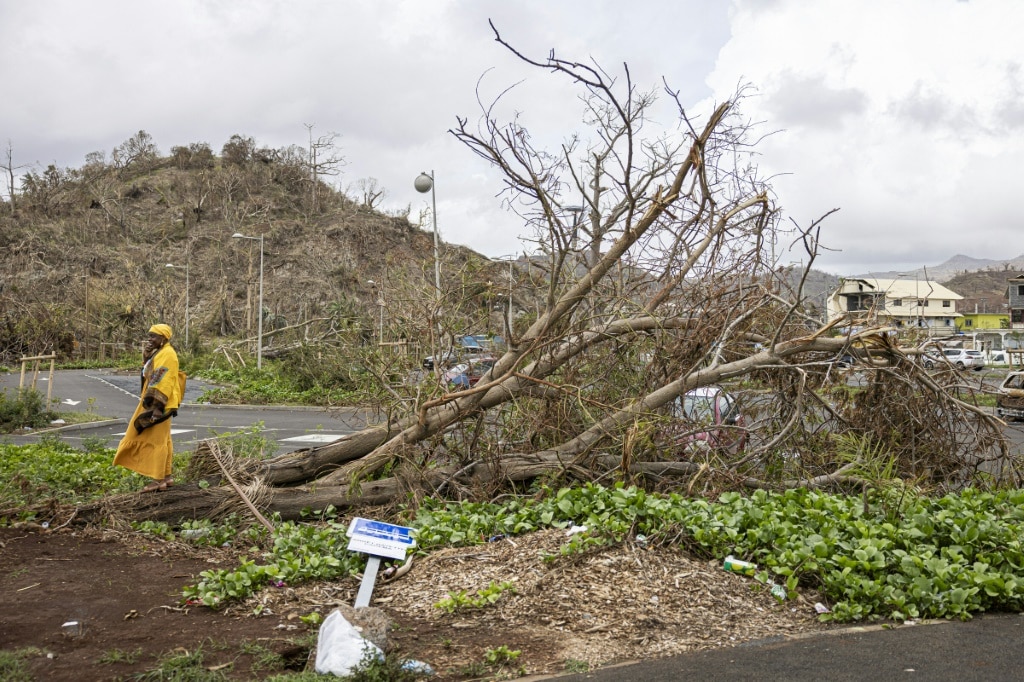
{"type": "Point", "coordinates": [671, 285]}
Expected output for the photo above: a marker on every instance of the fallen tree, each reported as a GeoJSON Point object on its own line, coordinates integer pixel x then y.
{"type": "Point", "coordinates": [664, 281]}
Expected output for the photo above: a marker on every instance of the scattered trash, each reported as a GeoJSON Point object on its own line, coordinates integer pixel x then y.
{"type": "Point", "coordinates": [58, 422]}
{"type": "Point", "coordinates": [194, 532]}
{"type": "Point", "coordinates": [576, 529]}
{"type": "Point", "coordinates": [821, 608]}
{"type": "Point", "coordinates": [495, 538]}
{"type": "Point", "coordinates": [735, 565]}
{"type": "Point", "coordinates": [45, 524]}
{"type": "Point", "coordinates": [779, 592]}
{"type": "Point", "coordinates": [340, 647]}
{"type": "Point", "coordinates": [71, 628]}
{"type": "Point", "coordinates": [418, 667]}
{"type": "Point", "coordinates": [641, 540]}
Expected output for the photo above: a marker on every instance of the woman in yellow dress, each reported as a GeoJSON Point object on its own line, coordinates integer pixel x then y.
{"type": "Point", "coordinates": [146, 447]}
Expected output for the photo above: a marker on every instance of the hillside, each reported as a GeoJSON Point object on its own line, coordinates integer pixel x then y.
{"type": "Point", "coordinates": [84, 252]}
{"type": "Point", "coordinates": [956, 266]}
{"type": "Point", "coordinates": [984, 291]}
{"type": "Point", "coordinates": [84, 256]}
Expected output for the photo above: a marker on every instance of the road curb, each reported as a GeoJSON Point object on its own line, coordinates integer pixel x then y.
{"type": "Point", "coordinates": [85, 426]}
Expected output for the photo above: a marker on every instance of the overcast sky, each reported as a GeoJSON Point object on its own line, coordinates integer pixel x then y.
{"type": "Point", "coordinates": [907, 115]}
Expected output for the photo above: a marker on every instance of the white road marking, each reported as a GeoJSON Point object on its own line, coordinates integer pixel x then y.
{"type": "Point", "coordinates": [313, 438]}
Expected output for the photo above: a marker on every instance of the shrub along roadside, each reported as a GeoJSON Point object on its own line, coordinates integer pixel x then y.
{"type": "Point", "coordinates": [26, 407]}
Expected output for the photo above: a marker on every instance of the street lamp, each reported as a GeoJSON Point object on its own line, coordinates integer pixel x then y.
{"type": "Point", "coordinates": [380, 302]}
{"type": "Point", "coordinates": [259, 317]}
{"type": "Point", "coordinates": [425, 183]}
{"type": "Point", "coordinates": [85, 339]}
{"type": "Point", "coordinates": [172, 265]}
{"type": "Point", "coordinates": [577, 218]}
{"type": "Point", "coordinates": [510, 260]}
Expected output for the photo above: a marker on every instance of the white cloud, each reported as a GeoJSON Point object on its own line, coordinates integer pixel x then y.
{"type": "Point", "coordinates": [902, 114]}
{"type": "Point", "coordinates": [906, 114]}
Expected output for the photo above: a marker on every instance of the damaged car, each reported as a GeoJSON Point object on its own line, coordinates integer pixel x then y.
{"type": "Point", "coordinates": [1010, 399]}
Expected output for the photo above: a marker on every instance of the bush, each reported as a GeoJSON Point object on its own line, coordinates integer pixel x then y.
{"type": "Point", "coordinates": [27, 409]}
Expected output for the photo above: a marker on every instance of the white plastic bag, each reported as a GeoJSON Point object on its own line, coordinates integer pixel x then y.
{"type": "Point", "coordinates": [340, 647]}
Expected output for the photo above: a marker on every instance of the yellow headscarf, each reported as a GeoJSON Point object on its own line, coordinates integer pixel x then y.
{"type": "Point", "coordinates": [161, 329]}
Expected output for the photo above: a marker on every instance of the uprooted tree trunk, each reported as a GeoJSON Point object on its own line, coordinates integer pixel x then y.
{"type": "Point", "coordinates": [675, 286]}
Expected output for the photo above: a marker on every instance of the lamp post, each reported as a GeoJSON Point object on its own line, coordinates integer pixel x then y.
{"type": "Point", "coordinates": [85, 340]}
{"type": "Point", "coordinates": [380, 302]}
{"type": "Point", "coordinates": [425, 183]}
{"type": "Point", "coordinates": [259, 316]}
{"type": "Point", "coordinates": [172, 265]}
{"type": "Point", "coordinates": [510, 259]}
{"type": "Point", "coordinates": [577, 218]}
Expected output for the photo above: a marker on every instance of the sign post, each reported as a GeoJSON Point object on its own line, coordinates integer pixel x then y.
{"type": "Point", "coordinates": [378, 539]}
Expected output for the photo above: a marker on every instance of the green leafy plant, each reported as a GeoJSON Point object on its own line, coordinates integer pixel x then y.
{"type": "Point", "coordinates": [51, 471]}
{"type": "Point", "coordinates": [313, 618]}
{"type": "Point", "coordinates": [501, 655]}
{"type": "Point", "coordinates": [300, 552]}
{"type": "Point", "coordinates": [484, 597]}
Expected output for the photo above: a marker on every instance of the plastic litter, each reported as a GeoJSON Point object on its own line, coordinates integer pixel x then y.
{"type": "Point", "coordinates": [418, 667]}
{"type": "Point", "coordinates": [821, 608]}
{"type": "Point", "coordinates": [735, 565]}
{"type": "Point", "coordinates": [340, 647]}
{"type": "Point", "coordinates": [576, 529]}
{"type": "Point", "coordinates": [72, 628]}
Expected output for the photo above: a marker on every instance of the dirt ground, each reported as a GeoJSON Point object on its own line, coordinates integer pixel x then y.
{"type": "Point", "coordinates": [567, 615]}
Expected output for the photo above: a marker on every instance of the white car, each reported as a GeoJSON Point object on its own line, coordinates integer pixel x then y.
{"type": "Point", "coordinates": [959, 358]}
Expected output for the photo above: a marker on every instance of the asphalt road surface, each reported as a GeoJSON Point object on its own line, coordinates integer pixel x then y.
{"type": "Point", "coordinates": [986, 648]}
{"type": "Point", "coordinates": [110, 394]}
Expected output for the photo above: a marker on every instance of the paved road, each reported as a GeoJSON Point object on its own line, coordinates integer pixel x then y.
{"type": "Point", "coordinates": [986, 648]}
{"type": "Point", "coordinates": [107, 393]}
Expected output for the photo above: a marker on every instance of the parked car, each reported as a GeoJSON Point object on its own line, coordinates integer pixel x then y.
{"type": "Point", "coordinates": [1010, 399]}
{"type": "Point", "coordinates": [443, 359]}
{"type": "Point", "coordinates": [467, 374]}
{"type": "Point", "coordinates": [466, 347]}
{"type": "Point", "coordinates": [958, 357]}
{"type": "Point", "coordinates": [716, 410]}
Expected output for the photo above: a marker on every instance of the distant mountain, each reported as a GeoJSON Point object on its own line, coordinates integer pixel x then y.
{"type": "Point", "coordinates": [958, 264]}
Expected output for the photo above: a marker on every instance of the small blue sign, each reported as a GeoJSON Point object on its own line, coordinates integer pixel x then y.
{"type": "Point", "coordinates": [379, 538]}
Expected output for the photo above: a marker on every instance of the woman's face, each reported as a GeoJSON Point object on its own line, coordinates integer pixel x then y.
{"type": "Point", "coordinates": [154, 341]}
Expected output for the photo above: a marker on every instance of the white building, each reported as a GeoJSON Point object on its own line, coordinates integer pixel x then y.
{"type": "Point", "coordinates": [897, 302]}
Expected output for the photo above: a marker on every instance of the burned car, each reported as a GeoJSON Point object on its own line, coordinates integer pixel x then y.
{"type": "Point", "coordinates": [1010, 399]}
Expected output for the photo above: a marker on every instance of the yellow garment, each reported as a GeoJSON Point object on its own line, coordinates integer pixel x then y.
{"type": "Point", "coordinates": [150, 452]}
{"type": "Point", "coordinates": [161, 329]}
